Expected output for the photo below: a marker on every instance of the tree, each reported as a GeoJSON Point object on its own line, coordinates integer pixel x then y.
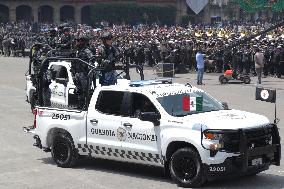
{"type": "Point", "coordinates": [259, 5]}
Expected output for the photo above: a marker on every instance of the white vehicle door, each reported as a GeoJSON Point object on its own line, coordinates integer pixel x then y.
{"type": "Point", "coordinates": [142, 141]}
{"type": "Point", "coordinates": [60, 85]}
{"type": "Point", "coordinates": [103, 121]}
{"type": "Point", "coordinates": [54, 69]}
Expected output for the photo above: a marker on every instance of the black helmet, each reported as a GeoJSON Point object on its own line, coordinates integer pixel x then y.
{"type": "Point", "coordinates": [106, 36]}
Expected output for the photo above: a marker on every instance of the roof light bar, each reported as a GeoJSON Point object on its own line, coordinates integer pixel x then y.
{"type": "Point", "coordinates": [151, 82]}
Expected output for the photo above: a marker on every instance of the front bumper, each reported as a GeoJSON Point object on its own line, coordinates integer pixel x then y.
{"type": "Point", "coordinates": [232, 167]}
{"type": "Point", "coordinates": [243, 165]}
{"type": "Point", "coordinates": [251, 160]}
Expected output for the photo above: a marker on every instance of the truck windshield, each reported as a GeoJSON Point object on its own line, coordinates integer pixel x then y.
{"type": "Point", "coordinates": [184, 104]}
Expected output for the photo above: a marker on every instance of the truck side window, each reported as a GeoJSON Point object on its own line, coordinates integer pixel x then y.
{"type": "Point", "coordinates": [53, 70]}
{"type": "Point", "coordinates": [141, 103]}
{"type": "Point", "coordinates": [109, 102]}
{"type": "Point", "coordinates": [62, 73]}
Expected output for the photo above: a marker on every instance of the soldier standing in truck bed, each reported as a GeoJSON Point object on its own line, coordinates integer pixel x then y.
{"type": "Point", "coordinates": [108, 54]}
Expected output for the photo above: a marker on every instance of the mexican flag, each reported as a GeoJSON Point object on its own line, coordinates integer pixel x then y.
{"type": "Point", "coordinates": [192, 103]}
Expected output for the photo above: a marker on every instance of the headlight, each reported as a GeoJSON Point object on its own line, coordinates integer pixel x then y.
{"type": "Point", "coordinates": [221, 140]}
{"type": "Point", "coordinates": [213, 140]}
{"type": "Point", "coordinates": [212, 136]}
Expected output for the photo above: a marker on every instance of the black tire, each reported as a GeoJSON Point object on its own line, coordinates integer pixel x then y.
{"type": "Point", "coordinates": [224, 80]}
{"type": "Point", "coordinates": [63, 151]}
{"type": "Point", "coordinates": [186, 168]}
{"type": "Point", "coordinates": [247, 80]}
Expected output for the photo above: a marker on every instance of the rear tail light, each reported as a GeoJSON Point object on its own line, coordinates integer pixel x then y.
{"type": "Point", "coordinates": [35, 114]}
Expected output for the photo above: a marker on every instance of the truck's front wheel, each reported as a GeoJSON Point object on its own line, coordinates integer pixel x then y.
{"type": "Point", "coordinates": [186, 168]}
{"type": "Point", "coordinates": [63, 151]}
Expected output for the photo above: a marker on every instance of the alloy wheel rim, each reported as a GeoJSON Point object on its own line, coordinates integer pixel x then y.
{"type": "Point", "coordinates": [186, 169]}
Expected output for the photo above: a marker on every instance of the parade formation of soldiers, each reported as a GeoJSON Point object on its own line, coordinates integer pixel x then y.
{"type": "Point", "coordinates": [148, 45]}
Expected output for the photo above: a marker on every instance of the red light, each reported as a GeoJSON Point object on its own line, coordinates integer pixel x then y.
{"type": "Point", "coordinates": [185, 103]}
{"type": "Point", "coordinates": [35, 114]}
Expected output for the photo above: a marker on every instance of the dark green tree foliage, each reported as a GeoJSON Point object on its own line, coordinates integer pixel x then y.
{"type": "Point", "coordinates": [131, 13]}
{"type": "Point", "coordinates": [278, 6]}
{"type": "Point", "coordinates": [258, 5]}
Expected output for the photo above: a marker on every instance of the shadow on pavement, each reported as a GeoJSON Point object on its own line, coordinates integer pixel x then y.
{"type": "Point", "coordinates": [262, 180]}
{"type": "Point", "coordinates": [120, 168]}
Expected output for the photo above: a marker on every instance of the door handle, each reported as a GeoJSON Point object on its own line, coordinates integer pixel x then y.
{"type": "Point", "coordinates": [127, 125]}
{"type": "Point", "coordinates": [94, 121]}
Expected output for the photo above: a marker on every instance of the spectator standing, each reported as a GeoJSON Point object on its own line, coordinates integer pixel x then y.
{"type": "Point", "coordinates": [200, 66]}
{"type": "Point", "coordinates": [259, 64]}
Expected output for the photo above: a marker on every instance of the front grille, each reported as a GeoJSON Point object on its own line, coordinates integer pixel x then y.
{"type": "Point", "coordinates": [256, 137]}
{"type": "Point", "coordinates": [232, 142]}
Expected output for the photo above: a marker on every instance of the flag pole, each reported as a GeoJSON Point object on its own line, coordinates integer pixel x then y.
{"type": "Point", "coordinates": [275, 112]}
{"type": "Point", "coordinates": [276, 120]}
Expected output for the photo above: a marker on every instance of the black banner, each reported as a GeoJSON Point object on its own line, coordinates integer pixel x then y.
{"type": "Point", "coordinates": [267, 95]}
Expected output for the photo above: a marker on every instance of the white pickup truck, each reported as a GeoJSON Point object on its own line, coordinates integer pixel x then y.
{"type": "Point", "coordinates": [175, 126]}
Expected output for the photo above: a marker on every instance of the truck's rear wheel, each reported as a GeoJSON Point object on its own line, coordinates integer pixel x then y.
{"type": "Point", "coordinates": [63, 151]}
{"type": "Point", "coordinates": [186, 168]}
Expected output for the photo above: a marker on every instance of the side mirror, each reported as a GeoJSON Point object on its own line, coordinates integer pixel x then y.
{"type": "Point", "coordinates": [150, 116]}
{"type": "Point", "coordinates": [63, 81]}
{"type": "Point", "coordinates": [225, 105]}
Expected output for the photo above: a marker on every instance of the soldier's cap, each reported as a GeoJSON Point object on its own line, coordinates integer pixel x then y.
{"type": "Point", "coordinates": [106, 36]}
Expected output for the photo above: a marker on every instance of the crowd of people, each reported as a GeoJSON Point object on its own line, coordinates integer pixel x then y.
{"type": "Point", "coordinates": [149, 45]}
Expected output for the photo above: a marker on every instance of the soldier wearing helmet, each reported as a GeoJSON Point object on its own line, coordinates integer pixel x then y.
{"type": "Point", "coordinates": [65, 39]}
{"type": "Point", "coordinates": [108, 54]}
{"type": "Point", "coordinates": [82, 48]}
{"type": "Point", "coordinates": [52, 38]}
{"type": "Point", "coordinates": [81, 70]}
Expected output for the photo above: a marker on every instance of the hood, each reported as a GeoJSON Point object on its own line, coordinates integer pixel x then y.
{"type": "Point", "coordinates": [227, 119]}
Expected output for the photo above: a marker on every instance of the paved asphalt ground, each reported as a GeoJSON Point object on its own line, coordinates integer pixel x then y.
{"type": "Point", "coordinates": [24, 166]}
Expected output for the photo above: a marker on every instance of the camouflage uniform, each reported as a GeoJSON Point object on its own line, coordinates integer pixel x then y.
{"type": "Point", "coordinates": [108, 55]}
